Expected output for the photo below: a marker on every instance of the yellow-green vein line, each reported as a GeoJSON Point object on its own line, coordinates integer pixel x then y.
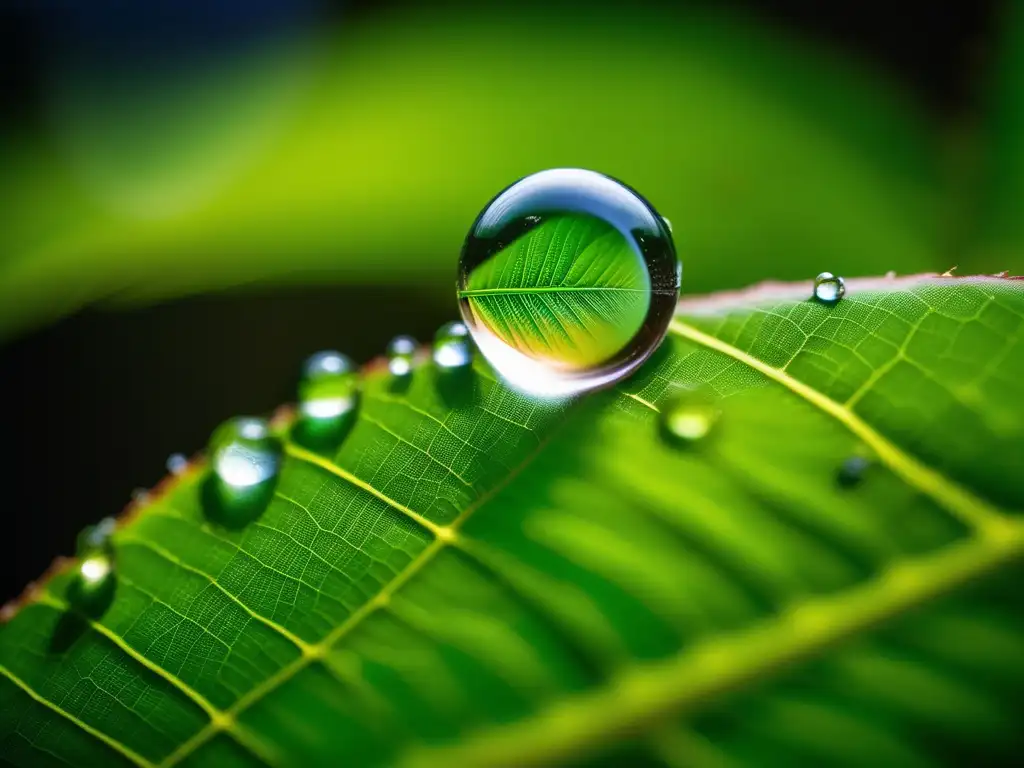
{"type": "Point", "coordinates": [48, 598]}
{"type": "Point", "coordinates": [471, 292]}
{"type": "Point", "coordinates": [312, 458]}
{"type": "Point", "coordinates": [114, 744]}
{"type": "Point", "coordinates": [301, 644]}
{"type": "Point", "coordinates": [645, 695]}
{"type": "Point", "coordinates": [317, 651]}
{"type": "Point", "coordinates": [445, 535]}
{"type": "Point", "coordinates": [642, 402]}
{"type": "Point", "coordinates": [958, 500]}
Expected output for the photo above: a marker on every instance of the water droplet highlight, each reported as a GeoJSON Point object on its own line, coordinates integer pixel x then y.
{"type": "Point", "coordinates": [829, 288]}
{"type": "Point", "coordinates": [246, 460]}
{"type": "Point", "coordinates": [689, 417]}
{"type": "Point", "coordinates": [567, 282]}
{"type": "Point", "coordinates": [453, 349]}
{"type": "Point", "coordinates": [852, 470]}
{"type": "Point", "coordinates": [92, 588]}
{"type": "Point", "coordinates": [177, 463]}
{"type": "Point", "coordinates": [328, 401]}
{"type": "Point", "coordinates": [401, 355]}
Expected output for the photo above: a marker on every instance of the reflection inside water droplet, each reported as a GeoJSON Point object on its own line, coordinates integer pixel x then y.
{"type": "Point", "coordinates": [567, 281]}
{"type": "Point", "coordinates": [328, 399]}
{"type": "Point", "coordinates": [829, 288]}
{"type": "Point", "coordinates": [246, 459]}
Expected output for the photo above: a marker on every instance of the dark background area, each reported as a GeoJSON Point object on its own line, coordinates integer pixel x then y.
{"type": "Point", "coordinates": [97, 401]}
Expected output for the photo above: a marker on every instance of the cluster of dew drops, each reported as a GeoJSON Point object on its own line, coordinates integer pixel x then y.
{"type": "Point", "coordinates": [245, 453]}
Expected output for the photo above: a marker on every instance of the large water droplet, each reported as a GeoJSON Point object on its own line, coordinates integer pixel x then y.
{"type": "Point", "coordinates": [829, 288]}
{"type": "Point", "coordinates": [567, 281]}
{"type": "Point", "coordinates": [246, 460]}
{"type": "Point", "coordinates": [688, 417]}
{"type": "Point", "coordinates": [401, 355]}
{"type": "Point", "coordinates": [453, 349]}
{"type": "Point", "coordinates": [94, 582]}
{"type": "Point", "coordinates": [328, 399]}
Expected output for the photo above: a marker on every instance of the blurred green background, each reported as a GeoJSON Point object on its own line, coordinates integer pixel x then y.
{"type": "Point", "coordinates": [197, 196]}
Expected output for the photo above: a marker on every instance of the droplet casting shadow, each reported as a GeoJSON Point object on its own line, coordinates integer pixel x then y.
{"type": "Point", "coordinates": [84, 604]}
{"type": "Point", "coordinates": [234, 508]}
{"type": "Point", "coordinates": [322, 436]}
{"type": "Point", "coordinates": [456, 387]}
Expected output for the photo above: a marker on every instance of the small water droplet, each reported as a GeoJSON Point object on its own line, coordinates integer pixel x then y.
{"type": "Point", "coordinates": [328, 401]}
{"type": "Point", "coordinates": [401, 355]}
{"type": "Point", "coordinates": [96, 538]}
{"type": "Point", "coordinates": [92, 588]}
{"type": "Point", "coordinates": [177, 463]}
{"type": "Point", "coordinates": [667, 223]}
{"type": "Point", "coordinates": [829, 288]}
{"type": "Point", "coordinates": [689, 417]}
{"type": "Point", "coordinates": [890, 275]}
{"type": "Point", "coordinates": [140, 495]}
{"type": "Point", "coordinates": [453, 349]}
{"type": "Point", "coordinates": [567, 282]}
{"type": "Point", "coordinates": [852, 470]}
{"type": "Point", "coordinates": [246, 461]}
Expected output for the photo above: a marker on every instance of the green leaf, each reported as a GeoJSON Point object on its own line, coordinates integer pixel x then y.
{"type": "Point", "coordinates": [502, 581]}
{"type": "Point", "coordinates": [364, 156]}
{"type": "Point", "coordinates": [571, 291]}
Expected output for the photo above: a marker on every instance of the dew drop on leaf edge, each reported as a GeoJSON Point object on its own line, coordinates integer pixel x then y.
{"type": "Point", "coordinates": [453, 348]}
{"type": "Point", "coordinates": [245, 461]}
{"type": "Point", "coordinates": [328, 399]}
{"type": "Point", "coordinates": [93, 584]}
{"type": "Point", "coordinates": [401, 354]}
{"type": "Point", "coordinates": [95, 538]}
{"type": "Point", "coordinates": [689, 417]}
{"type": "Point", "coordinates": [177, 463]}
{"type": "Point", "coordinates": [829, 288]}
{"type": "Point", "coordinates": [567, 281]}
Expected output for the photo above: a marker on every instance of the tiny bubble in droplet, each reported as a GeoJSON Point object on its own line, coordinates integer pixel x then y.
{"type": "Point", "coordinates": [177, 463]}
{"type": "Point", "coordinates": [829, 288]}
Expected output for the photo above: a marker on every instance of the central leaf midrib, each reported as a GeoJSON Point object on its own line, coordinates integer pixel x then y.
{"type": "Point", "coordinates": [645, 694]}
{"type": "Point", "coordinates": [471, 292]}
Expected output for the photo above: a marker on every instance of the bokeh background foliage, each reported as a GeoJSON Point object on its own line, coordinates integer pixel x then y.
{"type": "Point", "coordinates": [363, 155]}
